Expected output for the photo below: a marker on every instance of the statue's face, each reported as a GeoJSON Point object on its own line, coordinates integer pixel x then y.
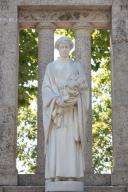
{"type": "Point", "coordinates": [64, 49]}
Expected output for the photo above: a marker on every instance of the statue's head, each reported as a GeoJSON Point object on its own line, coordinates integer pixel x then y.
{"type": "Point", "coordinates": [64, 46]}
{"type": "Point", "coordinates": [64, 40]}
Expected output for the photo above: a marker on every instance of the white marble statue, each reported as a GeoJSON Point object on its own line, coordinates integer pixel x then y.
{"type": "Point", "coordinates": [64, 115]}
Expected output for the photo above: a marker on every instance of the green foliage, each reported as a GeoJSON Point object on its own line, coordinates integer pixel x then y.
{"type": "Point", "coordinates": [28, 66]}
{"type": "Point", "coordinates": [102, 122]}
{"type": "Point", "coordinates": [100, 47]}
{"type": "Point", "coordinates": [27, 139]}
{"type": "Point", "coordinates": [101, 99]}
{"type": "Point", "coordinates": [27, 123]}
{"type": "Point", "coordinates": [69, 33]}
{"type": "Point", "coordinates": [101, 102]}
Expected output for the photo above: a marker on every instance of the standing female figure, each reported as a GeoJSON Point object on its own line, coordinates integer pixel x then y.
{"type": "Point", "coordinates": [64, 115]}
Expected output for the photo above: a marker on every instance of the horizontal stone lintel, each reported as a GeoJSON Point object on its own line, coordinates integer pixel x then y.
{"type": "Point", "coordinates": [67, 2]}
{"type": "Point", "coordinates": [29, 17]}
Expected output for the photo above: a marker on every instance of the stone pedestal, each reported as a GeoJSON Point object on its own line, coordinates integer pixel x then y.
{"type": "Point", "coordinates": [120, 91]}
{"type": "Point", "coordinates": [64, 186]}
{"type": "Point", "coordinates": [83, 54]}
{"type": "Point", "coordinates": [8, 91]}
{"type": "Point", "coordinates": [45, 56]}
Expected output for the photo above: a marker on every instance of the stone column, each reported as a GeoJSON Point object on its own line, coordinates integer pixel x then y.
{"type": "Point", "coordinates": [45, 55]}
{"type": "Point", "coordinates": [120, 91]}
{"type": "Point", "coordinates": [83, 54]}
{"type": "Point", "coordinates": [8, 91]}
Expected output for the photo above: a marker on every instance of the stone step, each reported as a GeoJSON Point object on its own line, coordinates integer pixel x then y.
{"type": "Point", "coordinates": [105, 189]}
{"type": "Point", "coordinates": [23, 189]}
{"type": "Point", "coordinates": [41, 189]}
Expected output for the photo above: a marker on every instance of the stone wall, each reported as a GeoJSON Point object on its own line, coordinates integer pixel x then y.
{"type": "Point", "coordinates": [120, 91]}
{"type": "Point", "coordinates": [8, 91]}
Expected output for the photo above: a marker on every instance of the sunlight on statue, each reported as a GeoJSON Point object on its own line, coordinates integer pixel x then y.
{"type": "Point", "coordinates": [64, 115]}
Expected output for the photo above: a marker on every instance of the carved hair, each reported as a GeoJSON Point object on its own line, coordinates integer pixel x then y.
{"type": "Point", "coordinates": [63, 39]}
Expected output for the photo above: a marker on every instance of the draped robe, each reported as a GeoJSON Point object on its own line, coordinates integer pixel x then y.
{"type": "Point", "coordinates": [64, 127]}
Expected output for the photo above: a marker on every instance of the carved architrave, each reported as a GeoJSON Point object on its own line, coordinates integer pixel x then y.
{"type": "Point", "coordinates": [29, 17]}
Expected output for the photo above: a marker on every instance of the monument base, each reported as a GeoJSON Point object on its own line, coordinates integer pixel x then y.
{"type": "Point", "coordinates": [120, 178]}
{"type": "Point", "coordinates": [64, 186]}
{"type": "Point", "coordinates": [8, 179]}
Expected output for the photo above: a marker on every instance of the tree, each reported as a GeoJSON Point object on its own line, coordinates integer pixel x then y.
{"type": "Point", "coordinates": [27, 115]}
{"type": "Point", "coordinates": [27, 139]}
{"type": "Point", "coordinates": [28, 66]}
{"type": "Point", "coordinates": [101, 98]}
{"type": "Point", "coordinates": [101, 102]}
{"type": "Point", "coordinates": [101, 122]}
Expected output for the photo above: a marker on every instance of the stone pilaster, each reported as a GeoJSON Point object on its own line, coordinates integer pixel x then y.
{"type": "Point", "coordinates": [8, 91]}
{"type": "Point", "coordinates": [83, 54]}
{"type": "Point", "coordinates": [120, 91]}
{"type": "Point", "coordinates": [45, 55]}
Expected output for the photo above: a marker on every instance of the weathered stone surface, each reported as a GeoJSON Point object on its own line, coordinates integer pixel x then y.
{"type": "Point", "coordinates": [64, 186]}
{"type": "Point", "coordinates": [98, 18]}
{"type": "Point", "coordinates": [120, 91]}
{"type": "Point", "coordinates": [31, 180]}
{"type": "Point", "coordinates": [23, 189]}
{"type": "Point", "coordinates": [45, 55]}
{"type": "Point", "coordinates": [97, 180]}
{"type": "Point", "coordinates": [105, 189]}
{"type": "Point", "coordinates": [8, 91]}
{"type": "Point", "coordinates": [41, 189]}
{"type": "Point", "coordinates": [4, 4]}
{"type": "Point", "coordinates": [120, 21]}
{"type": "Point", "coordinates": [90, 180]}
{"type": "Point", "coordinates": [67, 2]}
{"type": "Point", "coordinates": [7, 117]}
{"type": "Point", "coordinates": [83, 52]}
{"type": "Point", "coordinates": [120, 177]}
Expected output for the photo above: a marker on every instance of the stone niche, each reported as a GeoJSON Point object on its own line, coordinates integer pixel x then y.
{"type": "Point", "coordinates": [45, 16]}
